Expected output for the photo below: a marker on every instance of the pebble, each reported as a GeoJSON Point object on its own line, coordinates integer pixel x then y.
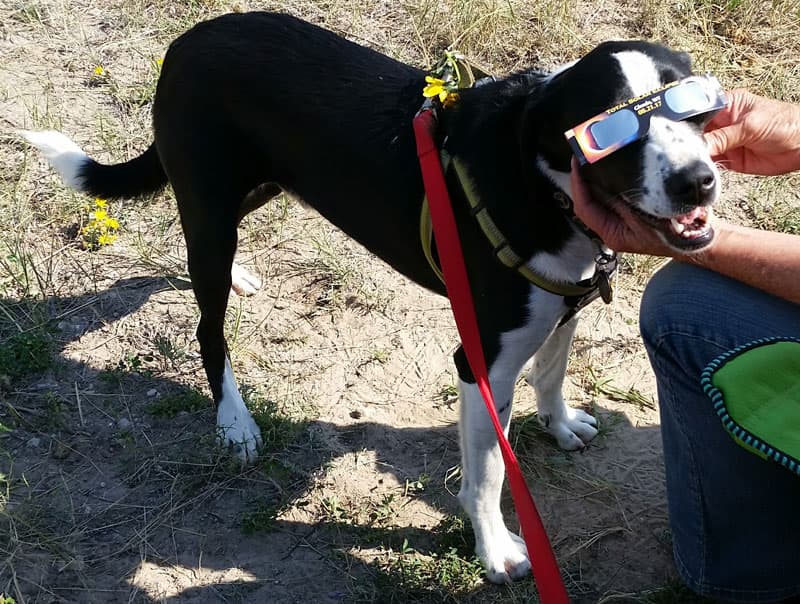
{"type": "Point", "coordinates": [124, 424]}
{"type": "Point", "coordinates": [34, 442]}
{"type": "Point", "coordinates": [152, 392]}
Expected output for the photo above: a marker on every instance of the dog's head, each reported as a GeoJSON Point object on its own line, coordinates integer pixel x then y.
{"type": "Point", "coordinates": [667, 175]}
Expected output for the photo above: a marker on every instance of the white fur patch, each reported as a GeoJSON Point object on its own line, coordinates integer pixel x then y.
{"type": "Point", "coordinates": [502, 553]}
{"type": "Point", "coordinates": [236, 428]}
{"type": "Point", "coordinates": [243, 282]}
{"type": "Point", "coordinates": [639, 71]}
{"type": "Point", "coordinates": [62, 153]}
{"type": "Point", "coordinates": [670, 146]}
{"type": "Point", "coordinates": [572, 428]}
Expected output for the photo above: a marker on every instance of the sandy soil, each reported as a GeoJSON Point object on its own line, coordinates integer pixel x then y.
{"type": "Point", "coordinates": [116, 492]}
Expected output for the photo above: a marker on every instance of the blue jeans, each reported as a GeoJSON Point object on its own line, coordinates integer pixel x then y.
{"type": "Point", "coordinates": [735, 517]}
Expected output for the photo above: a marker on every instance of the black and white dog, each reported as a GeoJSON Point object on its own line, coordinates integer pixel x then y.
{"type": "Point", "coordinates": [249, 105]}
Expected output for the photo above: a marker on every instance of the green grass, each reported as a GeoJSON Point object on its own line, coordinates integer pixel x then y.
{"type": "Point", "coordinates": [630, 395]}
{"type": "Point", "coordinates": [25, 353]}
{"type": "Point", "coordinates": [170, 406]}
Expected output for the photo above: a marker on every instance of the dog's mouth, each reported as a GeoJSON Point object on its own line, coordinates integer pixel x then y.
{"type": "Point", "coordinates": [689, 231]}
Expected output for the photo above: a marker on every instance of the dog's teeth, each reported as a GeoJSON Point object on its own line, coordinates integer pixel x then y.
{"type": "Point", "coordinates": [678, 227]}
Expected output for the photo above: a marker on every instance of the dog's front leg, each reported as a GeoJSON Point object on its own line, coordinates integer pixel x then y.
{"type": "Point", "coordinates": [503, 553]}
{"type": "Point", "coordinates": [572, 428]}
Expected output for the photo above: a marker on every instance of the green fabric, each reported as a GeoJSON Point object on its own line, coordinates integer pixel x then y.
{"type": "Point", "coordinates": [760, 388]}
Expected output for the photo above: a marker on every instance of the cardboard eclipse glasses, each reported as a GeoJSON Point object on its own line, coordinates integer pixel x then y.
{"type": "Point", "coordinates": [622, 124]}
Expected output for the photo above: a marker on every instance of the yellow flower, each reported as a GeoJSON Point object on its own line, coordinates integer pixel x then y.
{"type": "Point", "coordinates": [99, 214]}
{"type": "Point", "coordinates": [438, 88]}
{"type": "Point", "coordinates": [112, 223]}
{"type": "Point", "coordinates": [159, 62]}
{"type": "Point", "coordinates": [434, 88]}
{"type": "Point", "coordinates": [100, 203]}
{"type": "Point", "coordinates": [99, 71]}
{"type": "Point", "coordinates": [106, 239]}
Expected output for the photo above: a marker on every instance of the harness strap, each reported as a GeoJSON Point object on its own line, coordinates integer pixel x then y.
{"type": "Point", "coordinates": [543, 562]}
{"type": "Point", "coordinates": [501, 248]}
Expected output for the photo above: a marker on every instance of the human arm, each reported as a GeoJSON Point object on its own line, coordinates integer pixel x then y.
{"type": "Point", "coordinates": [767, 260]}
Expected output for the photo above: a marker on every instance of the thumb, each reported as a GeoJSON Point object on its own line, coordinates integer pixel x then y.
{"type": "Point", "coordinates": [721, 140]}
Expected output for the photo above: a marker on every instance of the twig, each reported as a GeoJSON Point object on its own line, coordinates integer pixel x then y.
{"type": "Point", "coordinates": [80, 409]}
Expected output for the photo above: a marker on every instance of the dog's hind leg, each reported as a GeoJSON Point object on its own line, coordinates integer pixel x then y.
{"type": "Point", "coordinates": [209, 218]}
{"type": "Point", "coordinates": [572, 428]}
{"type": "Point", "coordinates": [243, 282]}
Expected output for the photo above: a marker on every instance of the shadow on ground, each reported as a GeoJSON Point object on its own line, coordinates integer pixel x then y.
{"type": "Point", "coordinates": [127, 498]}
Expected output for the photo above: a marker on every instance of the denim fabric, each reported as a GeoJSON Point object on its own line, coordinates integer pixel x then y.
{"type": "Point", "coordinates": [735, 517]}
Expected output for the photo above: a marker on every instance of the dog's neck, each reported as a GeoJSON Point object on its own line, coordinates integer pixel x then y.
{"type": "Point", "coordinates": [561, 180]}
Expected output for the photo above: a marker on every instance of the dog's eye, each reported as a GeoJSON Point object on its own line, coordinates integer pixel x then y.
{"type": "Point", "coordinates": [700, 120]}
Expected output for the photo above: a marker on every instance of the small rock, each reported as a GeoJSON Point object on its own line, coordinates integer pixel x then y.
{"type": "Point", "coordinates": [34, 442]}
{"type": "Point", "coordinates": [124, 424]}
{"type": "Point", "coordinates": [60, 450]}
{"type": "Point", "coordinates": [152, 392]}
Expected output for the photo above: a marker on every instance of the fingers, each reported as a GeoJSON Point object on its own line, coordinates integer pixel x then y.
{"type": "Point", "coordinates": [722, 139]}
{"type": "Point", "coordinates": [598, 217]}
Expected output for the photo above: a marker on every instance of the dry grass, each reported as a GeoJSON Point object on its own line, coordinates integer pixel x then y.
{"type": "Point", "coordinates": [111, 489]}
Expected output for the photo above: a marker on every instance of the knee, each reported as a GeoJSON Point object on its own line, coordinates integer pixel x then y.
{"type": "Point", "coordinates": [676, 300]}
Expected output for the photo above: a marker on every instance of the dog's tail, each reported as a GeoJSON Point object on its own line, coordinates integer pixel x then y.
{"type": "Point", "coordinates": [140, 175]}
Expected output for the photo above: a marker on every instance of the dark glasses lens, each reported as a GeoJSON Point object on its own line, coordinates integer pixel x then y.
{"type": "Point", "coordinates": [687, 98]}
{"type": "Point", "coordinates": [617, 127]}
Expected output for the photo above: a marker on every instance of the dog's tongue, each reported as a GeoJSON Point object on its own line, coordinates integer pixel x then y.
{"type": "Point", "coordinates": [692, 224]}
{"type": "Point", "coordinates": [688, 219]}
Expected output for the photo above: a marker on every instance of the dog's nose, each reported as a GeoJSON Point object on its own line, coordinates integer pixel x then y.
{"type": "Point", "coordinates": [693, 184]}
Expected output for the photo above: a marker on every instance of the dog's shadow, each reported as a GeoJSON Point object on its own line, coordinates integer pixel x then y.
{"type": "Point", "coordinates": [157, 503]}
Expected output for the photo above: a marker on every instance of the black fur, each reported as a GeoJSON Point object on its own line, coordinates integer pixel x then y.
{"type": "Point", "coordinates": [266, 102]}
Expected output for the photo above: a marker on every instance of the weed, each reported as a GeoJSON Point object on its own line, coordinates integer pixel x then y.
{"type": "Point", "coordinates": [26, 353]}
{"type": "Point", "coordinates": [454, 533]}
{"type": "Point", "coordinates": [171, 353]}
{"type": "Point", "coordinates": [332, 511]}
{"type": "Point", "coordinates": [383, 513]}
{"type": "Point", "coordinates": [605, 387]}
{"type": "Point", "coordinates": [411, 577]}
{"type": "Point", "coordinates": [189, 401]}
{"type": "Point", "coordinates": [132, 363]}
{"type": "Point", "coordinates": [260, 519]}
{"type": "Point", "coordinates": [417, 486]}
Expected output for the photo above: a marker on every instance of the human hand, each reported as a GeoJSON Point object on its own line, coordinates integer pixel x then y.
{"type": "Point", "coordinates": [755, 135]}
{"type": "Point", "coordinates": [614, 222]}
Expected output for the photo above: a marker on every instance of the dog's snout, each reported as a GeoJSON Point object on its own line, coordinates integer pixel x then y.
{"type": "Point", "coordinates": [693, 184]}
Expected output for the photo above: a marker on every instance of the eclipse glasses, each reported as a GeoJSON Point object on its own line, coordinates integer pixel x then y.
{"type": "Point", "coordinates": [626, 122]}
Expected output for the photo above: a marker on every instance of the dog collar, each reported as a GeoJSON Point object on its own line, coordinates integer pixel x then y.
{"type": "Point", "coordinates": [579, 294]}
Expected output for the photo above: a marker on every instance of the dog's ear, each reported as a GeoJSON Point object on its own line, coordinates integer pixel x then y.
{"type": "Point", "coordinates": [541, 132]}
{"type": "Point", "coordinates": [685, 59]}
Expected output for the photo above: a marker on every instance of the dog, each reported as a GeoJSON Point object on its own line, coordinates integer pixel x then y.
{"type": "Point", "coordinates": [251, 105]}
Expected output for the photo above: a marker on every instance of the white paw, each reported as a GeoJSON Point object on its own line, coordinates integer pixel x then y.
{"type": "Point", "coordinates": [505, 558]}
{"type": "Point", "coordinates": [237, 430]}
{"type": "Point", "coordinates": [573, 431]}
{"type": "Point", "coordinates": [243, 282]}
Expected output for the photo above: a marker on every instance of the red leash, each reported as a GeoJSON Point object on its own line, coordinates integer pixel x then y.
{"type": "Point", "coordinates": [543, 562]}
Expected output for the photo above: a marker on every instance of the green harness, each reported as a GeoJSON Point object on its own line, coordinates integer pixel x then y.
{"type": "Point", "coordinates": [454, 73]}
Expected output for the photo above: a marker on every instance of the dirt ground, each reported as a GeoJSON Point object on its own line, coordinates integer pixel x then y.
{"type": "Point", "coordinates": [112, 488]}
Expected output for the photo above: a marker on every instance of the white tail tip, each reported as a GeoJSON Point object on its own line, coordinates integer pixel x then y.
{"type": "Point", "coordinates": [63, 154]}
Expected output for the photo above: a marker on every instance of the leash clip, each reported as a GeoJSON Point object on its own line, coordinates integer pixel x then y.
{"type": "Point", "coordinates": [605, 264]}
